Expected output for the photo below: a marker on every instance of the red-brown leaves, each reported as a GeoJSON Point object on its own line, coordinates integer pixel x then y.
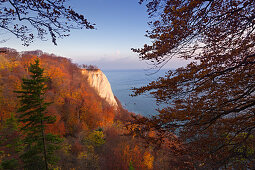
{"type": "Point", "coordinates": [211, 98]}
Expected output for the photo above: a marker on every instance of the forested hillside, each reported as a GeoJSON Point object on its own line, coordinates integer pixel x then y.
{"type": "Point", "coordinates": [75, 104]}
{"type": "Point", "coordinates": [92, 132]}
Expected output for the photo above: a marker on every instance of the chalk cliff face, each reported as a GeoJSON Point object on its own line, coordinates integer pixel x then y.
{"type": "Point", "coordinates": [100, 83]}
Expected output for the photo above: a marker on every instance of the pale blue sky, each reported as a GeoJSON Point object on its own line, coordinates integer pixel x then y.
{"type": "Point", "coordinates": [120, 26]}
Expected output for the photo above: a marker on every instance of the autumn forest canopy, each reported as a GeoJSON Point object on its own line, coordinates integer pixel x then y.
{"type": "Point", "coordinates": [81, 129]}
{"type": "Point", "coordinates": [206, 118]}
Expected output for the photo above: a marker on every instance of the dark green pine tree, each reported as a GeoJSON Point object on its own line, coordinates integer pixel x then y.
{"type": "Point", "coordinates": [39, 147]}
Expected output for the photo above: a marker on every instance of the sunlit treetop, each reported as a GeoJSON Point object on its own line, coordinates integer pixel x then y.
{"type": "Point", "coordinates": [30, 19]}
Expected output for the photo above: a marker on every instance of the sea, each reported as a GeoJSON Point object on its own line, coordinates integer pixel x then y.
{"type": "Point", "coordinates": [122, 81]}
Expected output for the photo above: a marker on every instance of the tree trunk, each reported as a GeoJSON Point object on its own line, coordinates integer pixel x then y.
{"type": "Point", "coordinates": [44, 147]}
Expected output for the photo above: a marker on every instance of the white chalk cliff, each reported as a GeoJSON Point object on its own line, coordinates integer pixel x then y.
{"type": "Point", "coordinates": [100, 83]}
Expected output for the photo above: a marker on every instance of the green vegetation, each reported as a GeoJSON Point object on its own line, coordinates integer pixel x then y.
{"type": "Point", "coordinates": [95, 138]}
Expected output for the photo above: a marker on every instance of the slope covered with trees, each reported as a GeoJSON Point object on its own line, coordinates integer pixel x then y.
{"type": "Point", "coordinates": [75, 104]}
{"type": "Point", "coordinates": [93, 132]}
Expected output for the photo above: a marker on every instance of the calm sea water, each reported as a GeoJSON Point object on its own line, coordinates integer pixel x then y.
{"type": "Point", "coordinates": [122, 81]}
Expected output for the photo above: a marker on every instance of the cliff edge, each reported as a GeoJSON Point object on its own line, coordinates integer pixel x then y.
{"type": "Point", "coordinates": [98, 80]}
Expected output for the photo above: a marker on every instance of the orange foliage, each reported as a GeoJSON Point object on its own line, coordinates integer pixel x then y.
{"type": "Point", "coordinates": [75, 104]}
{"type": "Point", "coordinates": [58, 127]}
{"type": "Point", "coordinates": [148, 160]}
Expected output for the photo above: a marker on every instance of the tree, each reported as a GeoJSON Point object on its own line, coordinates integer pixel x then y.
{"type": "Point", "coordinates": [208, 104]}
{"type": "Point", "coordinates": [89, 67]}
{"type": "Point", "coordinates": [39, 147]}
{"type": "Point", "coordinates": [95, 138]}
{"type": "Point", "coordinates": [10, 144]}
{"type": "Point", "coordinates": [46, 17]}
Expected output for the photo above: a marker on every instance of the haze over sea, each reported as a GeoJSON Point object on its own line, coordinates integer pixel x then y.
{"type": "Point", "coordinates": [122, 81]}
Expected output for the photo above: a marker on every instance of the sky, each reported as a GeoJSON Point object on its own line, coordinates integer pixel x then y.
{"type": "Point", "coordinates": [120, 26]}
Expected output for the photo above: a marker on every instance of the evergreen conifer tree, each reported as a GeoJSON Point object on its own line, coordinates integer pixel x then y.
{"type": "Point", "coordinates": [39, 146]}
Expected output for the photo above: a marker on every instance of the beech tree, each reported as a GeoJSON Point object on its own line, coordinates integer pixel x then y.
{"type": "Point", "coordinates": [25, 18]}
{"type": "Point", "coordinates": [39, 146]}
{"type": "Point", "coordinates": [208, 104]}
